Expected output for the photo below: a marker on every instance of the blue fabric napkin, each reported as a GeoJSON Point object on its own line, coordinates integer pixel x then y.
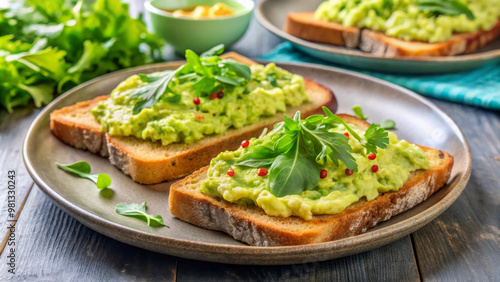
{"type": "Point", "coordinates": [480, 87]}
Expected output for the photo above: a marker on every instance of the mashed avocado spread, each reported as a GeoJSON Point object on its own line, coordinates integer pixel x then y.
{"type": "Point", "coordinates": [413, 20]}
{"type": "Point", "coordinates": [188, 111]}
{"type": "Point", "coordinates": [338, 189]}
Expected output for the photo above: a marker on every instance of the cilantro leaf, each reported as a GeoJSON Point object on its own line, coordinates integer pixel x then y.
{"type": "Point", "coordinates": [375, 137]}
{"type": "Point", "coordinates": [139, 211]}
{"type": "Point", "coordinates": [82, 170]}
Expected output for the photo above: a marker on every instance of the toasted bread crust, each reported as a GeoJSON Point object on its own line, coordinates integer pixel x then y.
{"type": "Point", "coordinates": [87, 134]}
{"type": "Point", "coordinates": [305, 26]}
{"type": "Point", "coordinates": [150, 162]}
{"type": "Point", "coordinates": [382, 45]}
{"type": "Point", "coordinates": [251, 225]}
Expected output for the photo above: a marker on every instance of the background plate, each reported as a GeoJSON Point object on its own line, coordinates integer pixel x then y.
{"type": "Point", "coordinates": [417, 120]}
{"type": "Point", "coordinates": [272, 14]}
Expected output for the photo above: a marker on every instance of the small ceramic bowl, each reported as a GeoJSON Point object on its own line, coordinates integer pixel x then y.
{"type": "Point", "coordinates": [198, 35]}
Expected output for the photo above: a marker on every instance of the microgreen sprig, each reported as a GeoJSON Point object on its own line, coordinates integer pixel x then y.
{"type": "Point", "coordinates": [82, 170]}
{"type": "Point", "coordinates": [139, 211]}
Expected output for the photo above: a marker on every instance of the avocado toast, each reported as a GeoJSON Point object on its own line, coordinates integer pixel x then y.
{"type": "Point", "coordinates": [413, 28]}
{"type": "Point", "coordinates": [150, 162]}
{"type": "Point", "coordinates": [191, 201]}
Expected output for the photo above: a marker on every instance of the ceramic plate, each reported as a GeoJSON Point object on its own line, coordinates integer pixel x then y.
{"type": "Point", "coordinates": [417, 119]}
{"type": "Point", "coordinates": [272, 14]}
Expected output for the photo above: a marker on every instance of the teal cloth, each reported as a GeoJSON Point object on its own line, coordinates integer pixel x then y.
{"type": "Point", "coordinates": [480, 87]}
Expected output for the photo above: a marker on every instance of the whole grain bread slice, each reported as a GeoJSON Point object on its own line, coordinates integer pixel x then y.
{"type": "Point", "coordinates": [305, 26]}
{"type": "Point", "coordinates": [150, 162]}
{"type": "Point", "coordinates": [250, 224]}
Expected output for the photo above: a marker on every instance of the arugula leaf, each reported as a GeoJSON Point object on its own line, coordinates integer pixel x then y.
{"type": "Point", "coordinates": [256, 153]}
{"type": "Point", "coordinates": [257, 162]}
{"type": "Point", "coordinates": [214, 51]}
{"type": "Point", "coordinates": [239, 69]}
{"type": "Point", "coordinates": [359, 112]}
{"type": "Point", "coordinates": [82, 170]}
{"type": "Point", "coordinates": [293, 172]}
{"type": "Point", "coordinates": [445, 7]}
{"type": "Point", "coordinates": [294, 155]}
{"type": "Point", "coordinates": [314, 119]}
{"type": "Point", "coordinates": [387, 124]}
{"type": "Point", "coordinates": [229, 80]}
{"type": "Point", "coordinates": [285, 143]}
{"type": "Point", "coordinates": [139, 211]}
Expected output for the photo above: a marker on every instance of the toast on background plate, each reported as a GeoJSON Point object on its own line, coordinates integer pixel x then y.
{"type": "Point", "coordinates": [150, 162]}
{"type": "Point", "coordinates": [304, 25]}
{"type": "Point", "coordinates": [250, 224]}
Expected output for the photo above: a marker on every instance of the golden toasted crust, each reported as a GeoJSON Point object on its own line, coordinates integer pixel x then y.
{"type": "Point", "coordinates": [380, 44]}
{"type": "Point", "coordinates": [251, 225]}
{"type": "Point", "coordinates": [304, 25]}
{"type": "Point", "coordinates": [150, 162]}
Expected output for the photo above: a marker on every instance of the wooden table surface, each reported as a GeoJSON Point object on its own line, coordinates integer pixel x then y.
{"type": "Point", "coordinates": [463, 244]}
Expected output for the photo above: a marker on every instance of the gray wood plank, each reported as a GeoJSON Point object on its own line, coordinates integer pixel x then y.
{"type": "Point", "coordinates": [52, 246]}
{"type": "Point", "coordinates": [463, 244]}
{"type": "Point", "coordinates": [393, 262]}
{"type": "Point", "coordinates": [13, 128]}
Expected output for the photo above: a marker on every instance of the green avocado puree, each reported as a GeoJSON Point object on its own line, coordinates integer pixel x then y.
{"type": "Point", "coordinates": [332, 194]}
{"type": "Point", "coordinates": [270, 90]}
{"type": "Point", "coordinates": [402, 19]}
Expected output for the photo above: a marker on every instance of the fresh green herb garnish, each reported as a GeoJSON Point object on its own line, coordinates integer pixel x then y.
{"type": "Point", "coordinates": [208, 72]}
{"type": "Point", "coordinates": [359, 112]}
{"type": "Point", "coordinates": [294, 156]}
{"type": "Point", "coordinates": [387, 124]}
{"type": "Point", "coordinates": [139, 211]}
{"type": "Point", "coordinates": [445, 7]}
{"type": "Point", "coordinates": [153, 90]}
{"type": "Point", "coordinates": [82, 170]}
{"type": "Point", "coordinates": [47, 47]}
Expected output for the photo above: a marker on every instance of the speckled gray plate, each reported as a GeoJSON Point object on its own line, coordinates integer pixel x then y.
{"type": "Point", "coordinates": [272, 15]}
{"type": "Point", "coordinates": [417, 119]}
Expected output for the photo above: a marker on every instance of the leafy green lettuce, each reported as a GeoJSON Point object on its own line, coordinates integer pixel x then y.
{"type": "Point", "coordinates": [49, 46]}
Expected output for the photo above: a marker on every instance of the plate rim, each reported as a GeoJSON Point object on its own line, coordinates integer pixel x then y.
{"type": "Point", "coordinates": [220, 252]}
{"type": "Point", "coordinates": [339, 50]}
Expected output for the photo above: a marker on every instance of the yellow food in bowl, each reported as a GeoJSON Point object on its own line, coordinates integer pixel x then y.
{"type": "Point", "coordinates": [198, 12]}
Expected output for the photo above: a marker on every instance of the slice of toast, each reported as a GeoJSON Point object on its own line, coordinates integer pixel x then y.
{"type": "Point", "coordinates": [253, 226]}
{"type": "Point", "coordinates": [305, 26]}
{"type": "Point", "coordinates": [150, 162]}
